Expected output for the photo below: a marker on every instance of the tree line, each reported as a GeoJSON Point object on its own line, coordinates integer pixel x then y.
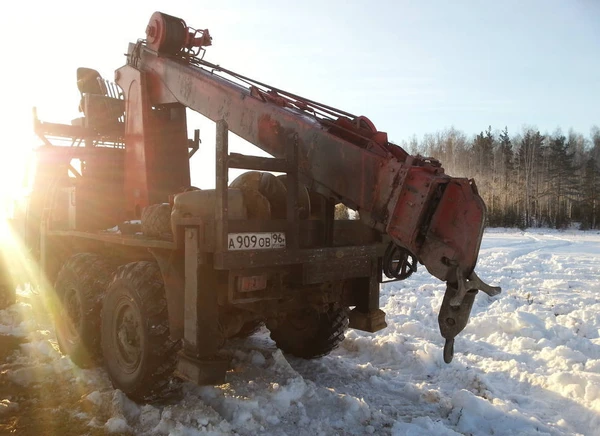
{"type": "Point", "coordinates": [527, 179]}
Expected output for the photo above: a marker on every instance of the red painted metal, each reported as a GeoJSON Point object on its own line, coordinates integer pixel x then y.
{"type": "Point", "coordinates": [156, 155]}
{"type": "Point", "coordinates": [168, 34]}
{"type": "Point", "coordinates": [455, 230]}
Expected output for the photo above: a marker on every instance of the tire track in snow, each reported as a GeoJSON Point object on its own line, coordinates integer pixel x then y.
{"type": "Point", "coordinates": [540, 246]}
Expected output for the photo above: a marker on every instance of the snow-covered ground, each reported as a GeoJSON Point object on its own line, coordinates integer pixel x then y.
{"type": "Point", "coordinates": [528, 363]}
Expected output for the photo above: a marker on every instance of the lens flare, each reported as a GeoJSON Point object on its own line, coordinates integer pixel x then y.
{"type": "Point", "coordinates": [36, 304]}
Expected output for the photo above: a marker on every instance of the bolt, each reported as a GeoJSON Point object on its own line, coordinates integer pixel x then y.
{"type": "Point", "coordinates": [450, 321]}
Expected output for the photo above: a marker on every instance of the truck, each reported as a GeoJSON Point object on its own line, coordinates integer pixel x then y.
{"type": "Point", "coordinates": [150, 276]}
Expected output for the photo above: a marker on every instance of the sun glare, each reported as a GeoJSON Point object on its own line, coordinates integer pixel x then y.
{"type": "Point", "coordinates": [16, 154]}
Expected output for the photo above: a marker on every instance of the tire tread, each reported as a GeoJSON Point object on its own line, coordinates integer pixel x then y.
{"type": "Point", "coordinates": [330, 333]}
{"type": "Point", "coordinates": [145, 279]}
{"type": "Point", "coordinates": [90, 274]}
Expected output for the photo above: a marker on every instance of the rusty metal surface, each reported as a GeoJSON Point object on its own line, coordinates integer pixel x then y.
{"type": "Point", "coordinates": [453, 319]}
{"type": "Point", "coordinates": [322, 156]}
{"type": "Point", "coordinates": [272, 290]}
{"type": "Point", "coordinates": [222, 180]}
{"type": "Point", "coordinates": [455, 232]}
{"type": "Point", "coordinates": [78, 134]}
{"type": "Point", "coordinates": [191, 308]}
{"type": "Point", "coordinates": [237, 160]}
{"type": "Point", "coordinates": [115, 238]}
{"type": "Point", "coordinates": [255, 259]}
{"type": "Point", "coordinates": [336, 269]}
{"type": "Point", "coordinates": [89, 201]}
{"type": "Point", "coordinates": [372, 321]}
{"type": "Point", "coordinates": [156, 155]}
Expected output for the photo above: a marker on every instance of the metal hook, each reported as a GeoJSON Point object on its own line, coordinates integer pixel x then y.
{"type": "Point", "coordinates": [472, 283]}
{"type": "Point", "coordinates": [449, 350]}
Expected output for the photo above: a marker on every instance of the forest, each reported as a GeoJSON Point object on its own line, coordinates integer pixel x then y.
{"type": "Point", "coordinates": [527, 179]}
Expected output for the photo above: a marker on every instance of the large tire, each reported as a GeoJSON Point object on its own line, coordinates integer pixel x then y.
{"type": "Point", "coordinates": [309, 334]}
{"type": "Point", "coordinates": [140, 357]}
{"type": "Point", "coordinates": [80, 288]}
{"type": "Point", "coordinates": [156, 221]}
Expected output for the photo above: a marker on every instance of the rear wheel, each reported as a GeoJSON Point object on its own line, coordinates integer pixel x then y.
{"type": "Point", "coordinates": [140, 357]}
{"type": "Point", "coordinates": [80, 288]}
{"type": "Point", "coordinates": [308, 333]}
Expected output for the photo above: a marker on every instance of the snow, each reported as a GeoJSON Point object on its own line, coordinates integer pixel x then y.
{"type": "Point", "coordinates": [117, 424]}
{"type": "Point", "coordinates": [528, 362]}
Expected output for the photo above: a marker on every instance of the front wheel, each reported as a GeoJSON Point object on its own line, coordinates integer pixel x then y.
{"type": "Point", "coordinates": [140, 357]}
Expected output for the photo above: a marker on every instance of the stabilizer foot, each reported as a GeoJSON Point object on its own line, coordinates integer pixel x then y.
{"type": "Point", "coordinates": [202, 372]}
{"type": "Point", "coordinates": [371, 322]}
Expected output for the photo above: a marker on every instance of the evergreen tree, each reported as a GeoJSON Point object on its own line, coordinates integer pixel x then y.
{"type": "Point", "coordinates": [507, 179]}
{"type": "Point", "coordinates": [595, 135]}
{"type": "Point", "coordinates": [527, 179]}
{"type": "Point", "coordinates": [482, 151]}
{"type": "Point", "coordinates": [529, 157]}
{"type": "Point", "coordinates": [591, 194]}
{"type": "Point", "coordinates": [561, 181]}
{"type": "Point", "coordinates": [483, 147]}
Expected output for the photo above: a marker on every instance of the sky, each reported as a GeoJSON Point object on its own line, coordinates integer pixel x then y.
{"type": "Point", "coordinates": [411, 67]}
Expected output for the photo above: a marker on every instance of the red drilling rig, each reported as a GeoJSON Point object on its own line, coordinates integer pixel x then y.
{"type": "Point", "coordinates": [152, 275]}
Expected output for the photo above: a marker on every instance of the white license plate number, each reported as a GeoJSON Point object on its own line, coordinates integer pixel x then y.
{"type": "Point", "coordinates": [255, 241]}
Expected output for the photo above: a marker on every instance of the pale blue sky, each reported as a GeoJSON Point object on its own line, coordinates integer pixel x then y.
{"type": "Point", "coordinates": [412, 67]}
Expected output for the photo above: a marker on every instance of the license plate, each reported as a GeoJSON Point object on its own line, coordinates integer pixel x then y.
{"type": "Point", "coordinates": [255, 241]}
{"type": "Point", "coordinates": [252, 283]}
